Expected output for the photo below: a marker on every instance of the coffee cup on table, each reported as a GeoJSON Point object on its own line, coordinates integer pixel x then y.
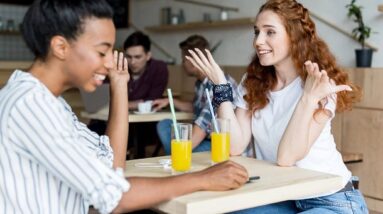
{"type": "Point", "coordinates": [145, 107]}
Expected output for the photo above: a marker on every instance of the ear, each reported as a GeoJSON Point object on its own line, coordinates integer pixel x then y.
{"type": "Point", "coordinates": [59, 47]}
{"type": "Point", "coordinates": [148, 55]}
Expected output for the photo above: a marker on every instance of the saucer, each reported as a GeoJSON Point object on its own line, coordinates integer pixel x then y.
{"type": "Point", "coordinates": [137, 112]}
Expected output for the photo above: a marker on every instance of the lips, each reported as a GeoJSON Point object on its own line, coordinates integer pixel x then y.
{"type": "Point", "coordinates": [263, 52]}
{"type": "Point", "coordinates": [99, 77]}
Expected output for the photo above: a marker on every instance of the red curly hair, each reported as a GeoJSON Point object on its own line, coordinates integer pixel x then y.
{"type": "Point", "coordinates": [305, 45]}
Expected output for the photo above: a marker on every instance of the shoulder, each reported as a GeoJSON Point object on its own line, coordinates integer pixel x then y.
{"type": "Point", "coordinates": [158, 66]}
{"type": "Point", "coordinates": [26, 92]}
{"type": "Point", "coordinates": [21, 87]}
{"type": "Point", "coordinates": [157, 63]}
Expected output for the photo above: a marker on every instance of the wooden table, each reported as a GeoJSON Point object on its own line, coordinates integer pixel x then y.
{"type": "Point", "coordinates": [138, 118]}
{"type": "Point", "coordinates": [276, 184]}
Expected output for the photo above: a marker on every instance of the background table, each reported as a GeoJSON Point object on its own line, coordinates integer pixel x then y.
{"type": "Point", "coordinates": [276, 184]}
{"type": "Point", "coordinates": [139, 147]}
{"type": "Point", "coordinates": [137, 118]}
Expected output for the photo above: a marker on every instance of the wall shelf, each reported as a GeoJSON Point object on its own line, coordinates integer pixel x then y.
{"type": "Point", "coordinates": [200, 25]}
{"type": "Point", "coordinates": [3, 32]}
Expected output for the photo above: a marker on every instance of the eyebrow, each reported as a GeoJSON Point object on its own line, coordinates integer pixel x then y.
{"type": "Point", "coordinates": [105, 44]}
{"type": "Point", "coordinates": [270, 26]}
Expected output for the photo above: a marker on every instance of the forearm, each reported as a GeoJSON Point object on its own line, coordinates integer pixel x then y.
{"type": "Point", "coordinates": [118, 126]}
{"type": "Point", "coordinates": [239, 137]}
{"type": "Point", "coordinates": [183, 105]}
{"type": "Point", "coordinates": [198, 135]}
{"type": "Point", "coordinates": [133, 105]}
{"type": "Point", "coordinates": [295, 142]}
{"type": "Point", "coordinates": [147, 192]}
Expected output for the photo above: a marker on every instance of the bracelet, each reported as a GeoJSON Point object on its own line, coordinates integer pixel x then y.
{"type": "Point", "coordinates": [222, 93]}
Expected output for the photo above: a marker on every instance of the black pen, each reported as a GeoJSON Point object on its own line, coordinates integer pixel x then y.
{"type": "Point", "coordinates": [253, 178]}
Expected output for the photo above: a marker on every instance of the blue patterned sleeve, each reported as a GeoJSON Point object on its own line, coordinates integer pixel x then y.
{"type": "Point", "coordinates": [203, 120]}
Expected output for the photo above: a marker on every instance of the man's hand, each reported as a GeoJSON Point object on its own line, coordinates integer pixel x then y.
{"type": "Point", "coordinates": [159, 104]}
{"type": "Point", "coordinates": [223, 176]}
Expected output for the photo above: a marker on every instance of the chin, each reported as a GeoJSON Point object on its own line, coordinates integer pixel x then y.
{"type": "Point", "coordinates": [88, 88]}
{"type": "Point", "coordinates": [265, 63]}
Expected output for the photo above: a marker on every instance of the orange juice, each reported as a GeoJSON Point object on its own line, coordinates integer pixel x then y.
{"type": "Point", "coordinates": [220, 147]}
{"type": "Point", "coordinates": [181, 155]}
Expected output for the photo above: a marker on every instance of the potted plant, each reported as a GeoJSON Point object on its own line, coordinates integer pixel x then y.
{"type": "Point", "coordinates": [361, 33]}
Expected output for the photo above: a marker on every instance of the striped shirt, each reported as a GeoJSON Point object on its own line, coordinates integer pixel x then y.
{"type": "Point", "coordinates": [49, 161]}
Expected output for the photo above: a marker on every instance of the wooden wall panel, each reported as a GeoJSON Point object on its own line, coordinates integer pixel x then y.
{"type": "Point", "coordinates": [4, 76]}
{"type": "Point", "coordinates": [175, 75]}
{"type": "Point", "coordinates": [363, 132]}
{"type": "Point", "coordinates": [371, 82]}
{"type": "Point", "coordinates": [336, 129]}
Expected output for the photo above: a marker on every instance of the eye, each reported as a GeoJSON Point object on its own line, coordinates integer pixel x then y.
{"type": "Point", "coordinates": [270, 32]}
{"type": "Point", "coordinates": [256, 32]}
{"type": "Point", "coordinates": [102, 54]}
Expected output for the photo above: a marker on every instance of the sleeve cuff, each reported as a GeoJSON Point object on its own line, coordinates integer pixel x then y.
{"type": "Point", "coordinates": [106, 196]}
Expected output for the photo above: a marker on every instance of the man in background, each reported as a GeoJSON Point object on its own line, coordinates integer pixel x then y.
{"type": "Point", "coordinates": [199, 106]}
{"type": "Point", "coordinates": [149, 76]}
{"type": "Point", "coordinates": [148, 80]}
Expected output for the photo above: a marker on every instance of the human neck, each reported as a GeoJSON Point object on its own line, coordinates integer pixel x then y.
{"type": "Point", "coordinates": [49, 74]}
{"type": "Point", "coordinates": [137, 75]}
{"type": "Point", "coordinates": [286, 74]}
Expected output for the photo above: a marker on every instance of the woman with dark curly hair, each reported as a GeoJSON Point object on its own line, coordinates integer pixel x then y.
{"type": "Point", "coordinates": [286, 102]}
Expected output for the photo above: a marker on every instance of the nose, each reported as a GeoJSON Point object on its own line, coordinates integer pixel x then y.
{"type": "Point", "coordinates": [132, 61]}
{"type": "Point", "coordinates": [259, 40]}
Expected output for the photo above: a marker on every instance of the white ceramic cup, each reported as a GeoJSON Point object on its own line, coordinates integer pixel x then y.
{"type": "Point", "coordinates": [145, 107]}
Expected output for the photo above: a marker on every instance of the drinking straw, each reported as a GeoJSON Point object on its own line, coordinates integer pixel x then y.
{"type": "Point", "coordinates": [211, 110]}
{"type": "Point", "coordinates": [173, 114]}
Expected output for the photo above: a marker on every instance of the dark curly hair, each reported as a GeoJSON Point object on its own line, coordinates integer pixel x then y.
{"type": "Point", "coordinates": [305, 45]}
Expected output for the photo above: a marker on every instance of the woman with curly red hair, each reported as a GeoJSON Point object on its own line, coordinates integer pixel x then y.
{"type": "Point", "coordinates": [286, 102]}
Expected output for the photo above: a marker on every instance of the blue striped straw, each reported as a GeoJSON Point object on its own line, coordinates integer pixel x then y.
{"type": "Point", "coordinates": [170, 96]}
{"type": "Point", "coordinates": [212, 111]}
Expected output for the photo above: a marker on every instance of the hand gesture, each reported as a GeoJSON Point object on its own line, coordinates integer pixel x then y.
{"type": "Point", "coordinates": [118, 69]}
{"type": "Point", "coordinates": [159, 104]}
{"type": "Point", "coordinates": [318, 85]}
{"type": "Point", "coordinates": [224, 176]}
{"type": "Point", "coordinates": [207, 66]}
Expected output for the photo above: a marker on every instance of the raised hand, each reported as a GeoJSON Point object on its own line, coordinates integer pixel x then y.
{"type": "Point", "coordinates": [207, 66]}
{"type": "Point", "coordinates": [318, 85]}
{"type": "Point", "coordinates": [224, 176]}
{"type": "Point", "coordinates": [118, 69]}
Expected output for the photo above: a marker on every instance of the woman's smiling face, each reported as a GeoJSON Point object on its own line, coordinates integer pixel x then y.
{"type": "Point", "coordinates": [88, 54]}
{"type": "Point", "coordinates": [271, 40]}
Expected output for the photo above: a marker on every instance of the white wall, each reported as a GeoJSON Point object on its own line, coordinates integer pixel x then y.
{"type": "Point", "coordinates": [236, 48]}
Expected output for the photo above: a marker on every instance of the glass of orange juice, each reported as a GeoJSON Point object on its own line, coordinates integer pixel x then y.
{"type": "Point", "coordinates": [220, 141]}
{"type": "Point", "coordinates": [181, 149]}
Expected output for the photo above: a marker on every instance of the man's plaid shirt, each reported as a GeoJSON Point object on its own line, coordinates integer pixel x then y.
{"type": "Point", "coordinates": [202, 116]}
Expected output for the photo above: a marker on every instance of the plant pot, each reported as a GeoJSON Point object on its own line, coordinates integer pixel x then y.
{"type": "Point", "coordinates": [363, 57]}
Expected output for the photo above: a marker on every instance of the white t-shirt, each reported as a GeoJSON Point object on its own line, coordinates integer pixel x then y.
{"type": "Point", "coordinates": [269, 124]}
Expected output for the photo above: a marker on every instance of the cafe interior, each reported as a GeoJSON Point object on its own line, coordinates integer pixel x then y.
{"type": "Point", "coordinates": [228, 27]}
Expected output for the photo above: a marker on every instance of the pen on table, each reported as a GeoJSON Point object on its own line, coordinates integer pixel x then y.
{"type": "Point", "coordinates": [253, 178]}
